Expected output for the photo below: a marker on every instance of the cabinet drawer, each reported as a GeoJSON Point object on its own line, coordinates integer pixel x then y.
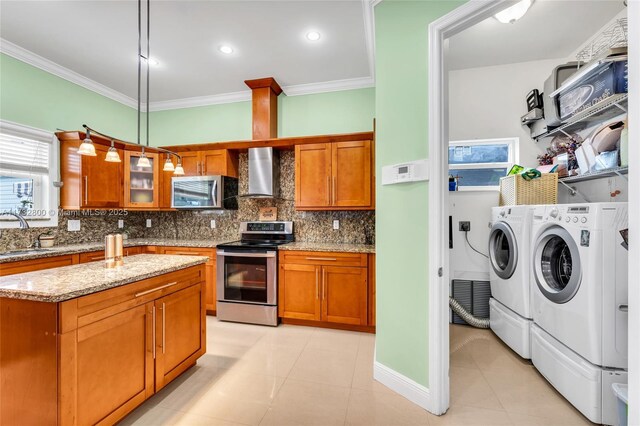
{"type": "Point", "coordinates": [130, 251]}
{"type": "Point", "coordinates": [94, 307]}
{"type": "Point", "coordinates": [324, 258]}
{"type": "Point", "coordinates": [190, 251]}
{"type": "Point", "coordinates": [22, 266]}
{"type": "Point", "coordinates": [92, 256]}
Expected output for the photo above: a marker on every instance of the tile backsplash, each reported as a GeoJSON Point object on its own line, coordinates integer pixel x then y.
{"type": "Point", "coordinates": [355, 226]}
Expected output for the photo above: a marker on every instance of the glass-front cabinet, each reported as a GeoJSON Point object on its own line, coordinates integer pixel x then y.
{"type": "Point", "coordinates": [141, 186]}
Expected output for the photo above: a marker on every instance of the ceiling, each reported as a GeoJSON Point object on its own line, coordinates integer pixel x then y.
{"type": "Point", "coordinates": [98, 40]}
{"type": "Point", "coordinates": [551, 29]}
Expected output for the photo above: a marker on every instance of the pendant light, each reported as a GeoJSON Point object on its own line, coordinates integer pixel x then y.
{"type": "Point", "coordinates": [143, 161]}
{"type": "Point", "coordinates": [179, 171]}
{"type": "Point", "coordinates": [168, 165]}
{"type": "Point", "coordinates": [112, 154]}
{"type": "Point", "coordinates": [86, 147]}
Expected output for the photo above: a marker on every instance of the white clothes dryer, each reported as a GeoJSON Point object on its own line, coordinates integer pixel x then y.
{"type": "Point", "coordinates": [510, 307]}
{"type": "Point", "coordinates": [579, 279]}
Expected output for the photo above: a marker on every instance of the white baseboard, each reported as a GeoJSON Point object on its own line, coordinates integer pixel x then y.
{"type": "Point", "coordinates": [402, 385]}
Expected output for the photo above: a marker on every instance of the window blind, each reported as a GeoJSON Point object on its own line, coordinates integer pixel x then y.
{"type": "Point", "coordinates": [24, 154]}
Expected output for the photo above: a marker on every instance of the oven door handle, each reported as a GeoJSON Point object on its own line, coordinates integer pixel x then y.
{"type": "Point", "coordinates": [244, 254]}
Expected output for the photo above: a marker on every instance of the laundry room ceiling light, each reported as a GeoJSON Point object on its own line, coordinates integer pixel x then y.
{"type": "Point", "coordinates": [513, 13]}
{"type": "Point", "coordinates": [313, 36]}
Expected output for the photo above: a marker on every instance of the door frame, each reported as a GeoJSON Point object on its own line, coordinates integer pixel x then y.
{"type": "Point", "coordinates": [458, 20]}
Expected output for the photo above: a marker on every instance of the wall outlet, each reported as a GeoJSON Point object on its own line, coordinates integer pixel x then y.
{"type": "Point", "coordinates": [213, 224]}
{"type": "Point", "coordinates": [73, 225]}
{"type": "Point", "coordinates": [148, 223]}
{"type": "Point", "coordinates": [336, 224]}
{"type": "Point", "coordinates": [465, 226]}
{"type": "Point", "coordinates": [120, 223]}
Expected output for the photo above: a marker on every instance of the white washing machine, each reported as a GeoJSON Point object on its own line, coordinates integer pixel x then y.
{"type": "Point", "coordinates": [510, 307]}
{"type": "Point", "coordinates": [579, 285]}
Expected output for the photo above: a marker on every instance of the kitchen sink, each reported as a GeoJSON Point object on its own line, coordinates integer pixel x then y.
{"type": "Point", "coordinates": [25, 251]}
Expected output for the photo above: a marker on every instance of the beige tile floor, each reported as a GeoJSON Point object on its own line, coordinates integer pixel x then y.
{"type": "Point", "coordinates": [289, 375]}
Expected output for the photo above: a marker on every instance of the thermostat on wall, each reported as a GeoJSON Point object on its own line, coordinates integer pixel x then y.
{"type": "Point", "coordinates": [411, 171]}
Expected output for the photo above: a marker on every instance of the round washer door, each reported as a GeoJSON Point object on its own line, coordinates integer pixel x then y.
{"type": "Point", "coordinates": [503, 251]}
{"type": "Point", "coordinates": [556, 265]}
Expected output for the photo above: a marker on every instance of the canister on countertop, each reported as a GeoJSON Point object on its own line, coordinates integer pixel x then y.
{"type": "Point", "coordinates": [119, 258]}
{"type": "Point", "coordinates": [110, 251]}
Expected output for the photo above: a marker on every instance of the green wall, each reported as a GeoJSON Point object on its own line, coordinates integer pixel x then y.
{"type": "Point", "coordinates": [36, 98]}
{"type": "Point", "coordinates": [31, 96]}
{"type": "Point", "coordinates": [401, 215]}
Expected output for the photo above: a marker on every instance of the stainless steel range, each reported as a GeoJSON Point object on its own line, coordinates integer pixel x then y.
{"type": "Point", "coordinates": [247, 273]}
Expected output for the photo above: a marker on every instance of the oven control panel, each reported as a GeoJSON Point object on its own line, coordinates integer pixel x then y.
{"type": "Point", "coordinates": [276, 227]}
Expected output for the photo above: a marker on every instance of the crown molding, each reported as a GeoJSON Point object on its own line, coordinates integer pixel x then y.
{"type": "Point", "coordinates": [370, 33]}
{"type": "Point", "coordinates": [329, 86]}
{"type": "Point", "coordinates": [51, 67]}
{"type": "Point", "coordinates": [198, 101]}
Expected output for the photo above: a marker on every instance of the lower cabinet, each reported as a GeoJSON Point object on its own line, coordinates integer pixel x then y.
{"type": "Point", "coordinates": [210, 280]}
{"type": "Point", "coordinates": [94, 359]}
{"type": "Point", "coordinates": [326, 287]}
{"type": "Point", "coordinates": [21, 266]}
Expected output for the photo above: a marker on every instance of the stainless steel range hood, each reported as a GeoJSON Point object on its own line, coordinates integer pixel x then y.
{"type": "Point", "coordinates": [264, 173]}
{"type": "Point", "coordinates": [264, 162]}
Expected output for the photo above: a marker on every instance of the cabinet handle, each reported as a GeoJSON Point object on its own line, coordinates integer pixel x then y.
{"type": "Point", "coordinates": [204, 168]}
{"type": "Point", "coordinates": [623, 308]}
{"type": "Point", "coordinates": [153, 334]}
{"type": "Point", "coordinates": [185, 253]}
{"type": "Point", "coordinates": [333, 191]}
{"type": "Point", "coordinates": [328, 190]}
{"type": "Point", "coordinates": [96, 258]}
{"type": "Point", "coordinates": [317, 283]}
{"type": "Point", "coordinates": [163, 329]}
{"type": "Point", "coordinates": [86, 189]}
{"type": "Point", "coordinates": [324, 295]}
{"type": "Point", "coordinates": [142, 293]}
{"type": "Point", "coordinates": [330, 259]}
{"type": "Point", "coordinates": [198, 168]}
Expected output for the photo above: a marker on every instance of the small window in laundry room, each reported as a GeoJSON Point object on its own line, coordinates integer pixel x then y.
{"type": "Point", "coordinates": [479, 164]}
{"type": "Point", "coordinates": [28, 166]}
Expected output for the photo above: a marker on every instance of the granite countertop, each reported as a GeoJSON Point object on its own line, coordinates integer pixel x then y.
{"type": "Point", "coordinates": [335, 247]}
{"type": "Point", "coordinates": [87, 247]}
{"type": "Point", "coordinates": [69, 282]}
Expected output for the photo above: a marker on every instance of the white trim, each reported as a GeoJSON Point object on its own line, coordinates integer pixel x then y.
{"type": "Point", "coordinates": [24, 131]}
{"type": "Point", "coordinates": [633, 16]}
{"type": "Point", "coordinates": [198, 101]}
{"type": "Point", "coordinates": [51, 67]}
{"type": "Point", "coordinates": [329, 86]}
{"type": "Point", "coordinates": [403, 385]}
{"type": "Point", "coordinates": [370, 33]}
{"type": "Point", "coordinates": [458, 20]}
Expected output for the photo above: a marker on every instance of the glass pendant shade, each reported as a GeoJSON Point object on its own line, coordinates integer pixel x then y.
{"type": "Point", "coordinates": [87, 148]}
{"type": "Point", "coordinates": [112, 155]}
{"type": "Point", "coordinates": [143, 161]}
{"type": "Point", "coordinates": [168, 165]}
{"type": "Point", "coordinates": [179, 171]}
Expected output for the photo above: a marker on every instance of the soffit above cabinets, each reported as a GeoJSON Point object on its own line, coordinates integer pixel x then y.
{"type": "Point", "coordinates": [551, 29]}
{"type": "Point", "coordinates": [98, 41]}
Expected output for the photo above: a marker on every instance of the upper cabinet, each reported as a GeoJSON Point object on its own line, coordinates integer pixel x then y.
{"type": "Point", "coordinates": [142, 184]}
{"type": "Point", "coordinates": [89, 182]}
{"type": "Point", "coordinates": [211, 162]}
{"type": "Point", "coordinates": [335, 176]}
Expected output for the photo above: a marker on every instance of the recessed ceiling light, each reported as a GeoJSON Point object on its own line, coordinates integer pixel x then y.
{"type": "Point", "coordinates": [152, 61]}
{"type": "Point", "coordinates": [513, 13]}
{"type": "Point", "coordinates": [226, 49]}
{"type": "Point", "coordinates": [313, 35]}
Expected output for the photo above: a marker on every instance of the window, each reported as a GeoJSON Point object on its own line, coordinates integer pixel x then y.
{"type": "Point", "coordinates": [28, 168]}
{"type": "Point", "coordinates": [479, 164]}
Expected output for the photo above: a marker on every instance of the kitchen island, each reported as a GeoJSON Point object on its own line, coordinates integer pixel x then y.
{"type": "Point", "coordinates": [84, 344]}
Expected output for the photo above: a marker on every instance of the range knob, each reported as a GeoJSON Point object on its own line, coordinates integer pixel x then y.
{"type": "Point", "coordinates": [554, 213]}
{"type": "Point", "coordinates": [583, 220]}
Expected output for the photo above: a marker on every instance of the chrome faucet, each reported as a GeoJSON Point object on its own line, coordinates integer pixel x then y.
{"type": "Point", "coordinates": [23, 222]}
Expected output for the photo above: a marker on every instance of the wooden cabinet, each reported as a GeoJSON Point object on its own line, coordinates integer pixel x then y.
{"type": "Point", "coordinates": [95, 358]}
{"type": "Point", "coordinates": [335, 176]}
{"type": "Point", "coordinates": [141, 184]}
{"type": "Point", "coordinates": [89, 182]}
{"type": "Point", "coordinates": [181, 337]}
{"type": "Point", "coordinates": [21, 266]}
{"type": "Point", "coordinates": [210, 268]}
{"type": "Point", "coordinates": [210, 162]}
{"type": "Point", "coordinates": [326, 287]}
{"type": "Point", "coordinates": [94, 256]}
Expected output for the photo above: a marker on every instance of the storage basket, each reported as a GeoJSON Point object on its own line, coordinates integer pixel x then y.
{"type": "Point", "coordinates": [514, 190]}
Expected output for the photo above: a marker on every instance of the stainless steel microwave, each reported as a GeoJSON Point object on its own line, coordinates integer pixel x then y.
{"type": "Point", "coordinates": [204, 192]}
